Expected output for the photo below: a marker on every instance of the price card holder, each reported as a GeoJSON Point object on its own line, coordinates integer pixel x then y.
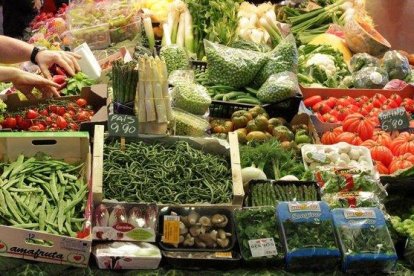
{"type": "Point", "coordinates": [121, 125]}
{"type": "Point", "coordinates": [263, 247]}
{"type": "Point", "coordinates": [394, 119]}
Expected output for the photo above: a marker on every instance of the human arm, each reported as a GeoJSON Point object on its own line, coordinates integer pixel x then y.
{"type": "Point", "coordinates": [25, 82]}
{"type": "Point", "coordinates": [16, 51]}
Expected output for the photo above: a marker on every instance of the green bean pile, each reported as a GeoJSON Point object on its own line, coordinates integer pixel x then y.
{"type": "Point", "coordinates": [175, 174]}
{"type": "Point", "coordinates": [42, 194]}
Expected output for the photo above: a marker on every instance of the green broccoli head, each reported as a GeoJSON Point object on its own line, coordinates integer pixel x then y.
{"type": "Point", "coordinates": [396, 65]}
{"type": "Point", "coordinates": [361, 60]}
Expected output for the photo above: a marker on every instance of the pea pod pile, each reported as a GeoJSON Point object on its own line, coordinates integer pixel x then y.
{"type": "Point", "coordinates": [40, 193]}
{"type": "Point", "coordinates": [231, 94]}
{"type": "Point", "coordinates": [168, 174]}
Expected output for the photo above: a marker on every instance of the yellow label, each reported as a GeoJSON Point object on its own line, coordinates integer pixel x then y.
{"type": "Point", "coordinates": [171, 229]}
{"type": "Point", "coordinates": [224, 255]}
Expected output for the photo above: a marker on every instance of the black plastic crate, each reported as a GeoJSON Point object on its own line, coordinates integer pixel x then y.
{"type": "Point", "coordinates": [287, 108]}
{"type": "Point", "coordinates": [127, 108]}
{"type": "Point", "coordinates": [199, 66]}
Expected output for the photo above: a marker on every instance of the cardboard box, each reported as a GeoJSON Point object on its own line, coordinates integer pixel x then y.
{"type": "Point", "coordinates": [14, 242]}
{"type": "Point", "coordinates": [96, 96]}
{"type": "Point", "coordinates": [208, 144]}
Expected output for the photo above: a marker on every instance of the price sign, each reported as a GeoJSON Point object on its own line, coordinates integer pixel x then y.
{"type": "Point", "coordinates": [263, 247]}
{"type": "Point", "coordinates": [123, 125]}
{"type": "Point", "coordinates": [394, 119]}
{"type": "Point", "coordinates": [171, 230]}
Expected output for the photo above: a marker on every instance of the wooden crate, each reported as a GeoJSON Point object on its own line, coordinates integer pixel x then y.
{"type": "Point", "coordinates": [210, 143]}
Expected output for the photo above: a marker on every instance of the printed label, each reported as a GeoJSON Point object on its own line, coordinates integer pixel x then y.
{"type": "Point", "coordinates": [304, 207]}
{"type": "Point", "coordinates": [226, 255]}
{"type": "Point", "coordinates": [263, 247]}
{"type": "Point", "coordinates": [359, 214]}
{"type": "Point", "coordinates": [171, 229]}
{"type": "Point", "coordinates": [74, 245]}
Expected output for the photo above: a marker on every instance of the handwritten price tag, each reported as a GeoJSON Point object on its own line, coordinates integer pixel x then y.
{"type": "Point", "coordinates": [394, 119]}
{"type": "Point", "coordinates": [263, 247]}
{"type": "Point", "coordinates": [122, 125]}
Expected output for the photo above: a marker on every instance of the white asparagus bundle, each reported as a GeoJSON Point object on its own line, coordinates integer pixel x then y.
{"type": "Point", "coordinates": [149, 93]}
{"type": "Point", "coordinates": [158, 96]}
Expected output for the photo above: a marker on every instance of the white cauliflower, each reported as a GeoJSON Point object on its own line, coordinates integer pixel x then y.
{"type": "Point", "coordinates": [325, 62]}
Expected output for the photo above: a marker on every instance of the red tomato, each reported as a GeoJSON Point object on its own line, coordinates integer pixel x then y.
{"type": "Point", "coordinates": [353, 108]}
{"type": "Point", "coordinates": [321, 107]}
{"type": "Point", "coordinates": [334, 112]}
{"type": "Point", "coordinates": [408, 104]}
{"type": "Point", "coordinates": [73, 126]}
{"type": "Point", "coordinates": [349, 99]}
{"type": "Point", "coordinates": [331, 102]}
{"type": "Point", "coordinates": [48, 121]}
{"type": "Point", "coordinates": [31, 114]}
{"type": "Point", "coordinates": [329, 118]}
{"type": "Point", "coordinates": [396, 98]}
{"type": "Point", "coordinates": [83, 116]}
{"type": "Point", "coordinates": [319, 116]}
{"type": "Point", "coordinates": [342, 114]}
{"type": "Point", "coordinates": [10, 122]}
{"type": "Point", "coordinates": [71, 107]}
{"type": "Point", "coordinates": [53, 108]}
{"type": "Point", "coordinates": [44, 112]}
{"type": "Point", "coordinates": [67, 116]}
{"type": "Point", "coordinates": [61, 122]}
{"type": "Point", "coordinates": [24, 124]}
{"type": "Point", "coordinates": [343, 102]}
{"type": "Point", "coordinates": [391, 104]}
{"type": "Point", "coordinates": [61, 110]}
{"type": "Point", "coordinates": [34, 128]}
{"type": "Point", "coordinates": [40, 126]}
{"type": "Point", "coordinates": [361, 100]}
{"type": "Point", "coordinates": [82, 102]}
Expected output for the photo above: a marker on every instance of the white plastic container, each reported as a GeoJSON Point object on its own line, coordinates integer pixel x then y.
{"type": "Point", "coordinates": [88, 62]}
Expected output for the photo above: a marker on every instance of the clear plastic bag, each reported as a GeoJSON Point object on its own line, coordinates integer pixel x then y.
{"type": "Point", "coordinates": [233, 67]}
{"type": "Point", "coordinates": [352, 200]}
{"type": "Point", "coordinates": [187, 124]}
{"type": "Point", "coordinates": [370, 78]}
{"type": "Point", "coordinates": [307, 234]}
{"type": "Point", "coordinates": [191, 97]}
{"type": "Point", "coordinates": [362, 60]}
{"type": "Point", "coordinates": [396, 65]}
{"type": "Point", "coordinates": [364, 240]}
{"type": "Point", "coordinates": [282, 58]}
{"type": "Point", "coordinates": [279, 87]}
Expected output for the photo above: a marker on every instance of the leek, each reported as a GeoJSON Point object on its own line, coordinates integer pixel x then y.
{"type": "Point", "coordinates": [149, 32]}
{"type": "Point", "coordinates": [188, 32]}
{"type": "Point", "coordinates": [181, 29]}
{"type": "Point", "coordinates": [167, 35]}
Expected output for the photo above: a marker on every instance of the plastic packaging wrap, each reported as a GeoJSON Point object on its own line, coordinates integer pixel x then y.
{"type": "Point", "coordinates": [281, 59]}
{"type": "Point", "coordinates": [396, 65]}
{"type": "Point", "coordinates": [175, 57]}
{"type": "Point", "coordinates": [279, 87]}
{"type": "Point", "coordinates": [181, 76]}
{"type": "Point", "coordinates": [307, 235]}
{"type": "Point", "coordinates": [126, 222]}
{"type": "Point", "coordinates": [127, 255]}
{"type": "Point", "coordinates": [187, 124]}
{"type": "Point", "coordinates": [370, 78]}
{"type": "Point", "coordinates": [191, 97]}
{"type": "Point", "coordinates": [233, 67]}
{"type": "Point", "coordinates": [364, 240]}
{"type": "Point", "coordinates": [258, 234]}
{"type": "Point", "coordinates": [352, 200]}
{"type": "Point", "coordinates": [362, 60]}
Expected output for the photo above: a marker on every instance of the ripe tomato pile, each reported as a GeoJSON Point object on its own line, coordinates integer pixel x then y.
{"type": "Point", "coordinates": [50, 117]}
{"type": "Point", "coordinates": [335, 110]}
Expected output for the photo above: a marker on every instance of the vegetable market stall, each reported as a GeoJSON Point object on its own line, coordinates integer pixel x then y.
{"type": "Point", "coordinates": [242, 138]}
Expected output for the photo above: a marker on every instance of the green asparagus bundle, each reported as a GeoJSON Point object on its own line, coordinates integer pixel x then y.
{"type": "Point", "coordinates": [124, 81]}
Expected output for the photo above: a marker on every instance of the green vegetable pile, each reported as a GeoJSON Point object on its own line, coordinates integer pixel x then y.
{"type": "Point", "coordinates": [191, 97]}
{"type": "Point", "coordinates": [362, 60]}
{"type": "Point", "coordinates": [257, 223]}
{"type": "Point", "coordinates": [215, 20]}
{"type": "Point", "coordinates": [309, 235]}
{"type": "Point", "coordinates": [175, 57]}
{"type": "Point", "coordinates": [370, 77]}
{"type": "Point", "coordinates": [39, 193]}
{"type": "Point", "coordinates": [167, 174]}
{"type": "Point", "coordinates": [269, 194]}
{"type": "Point", "coordinates": [396, 65]}
{"type": "Point", "coordinates": [273, 159]}
{"type": "Point", "coordinates": [331, 182]}
{"type": "Point", "coordinates": [76, 83]}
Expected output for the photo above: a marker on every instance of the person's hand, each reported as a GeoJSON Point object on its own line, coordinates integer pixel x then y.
{"type": "Point", "coordinates": [25, 82]}
{"type": "Point", "coordinates": [37, 4]}
{"type": "Point", "coordinates": [66, 60]}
